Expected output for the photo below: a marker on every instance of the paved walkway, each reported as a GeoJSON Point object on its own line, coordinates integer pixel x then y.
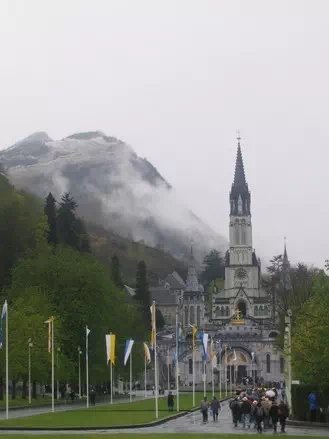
{"type": "Point", "coordinates": [192, 424]}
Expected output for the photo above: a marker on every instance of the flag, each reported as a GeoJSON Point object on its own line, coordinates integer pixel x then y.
{"type": "Point", "coordinates": [252, 356]}
{"type": "Point", "coordinates": [49, 321]}
{"type": "Point", "coordinates": [153, 316]}
{"type": "Point", "coordinates": [174, 360]}
{"type": "Point", "coordinates": [213, 357]}
{"type": "Point", "coordinates": [194, 331]}
{"type": "Point", "coordinates": [147, 353]}
{"type": "Point", "coordinates": [87, 331]}
{"type": "Point", "coordinates": [3, 318]}
{"type": "Point", "coordinates": [234, 358]}
{"type": "Point", "coordinates": [128, 348]}
{"type": "Point", "coordinates": [204, 340]}
{"type": "Point", "coordinates": [110, 348]}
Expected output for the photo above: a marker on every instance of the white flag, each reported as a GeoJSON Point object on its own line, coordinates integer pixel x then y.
{"type": "Point", "coordinates": [87, 331]}
{"type": "Point", "coordinates": [128, 348]}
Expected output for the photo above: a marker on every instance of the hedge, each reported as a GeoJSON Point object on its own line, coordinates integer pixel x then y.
{"type": "Point", "coordinates": [300, 405]}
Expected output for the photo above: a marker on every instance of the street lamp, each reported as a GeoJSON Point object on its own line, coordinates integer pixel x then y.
{"type": "Point", "coordinates": [79, 352]}
{"type": "Point", "coordinates": [58, 350]}
{"type": "Point", "coordinates": [30, 345]}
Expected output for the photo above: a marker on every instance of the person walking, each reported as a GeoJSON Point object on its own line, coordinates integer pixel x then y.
{"type": "Point", "coordinates": [274, 415]}
{"type": "Point", "coordinates": [312, 401]}
{"type": "Point", "coordinates": [170, 402]}
{"type": "Point", "coordinates": [215, 407]}
{"type": "Point", "coordinates": [236, 411]}
{"type": "Point", "coordinates": [252, 417]}
{"type": "Point", "coordinates": [204, 405]}
{"type": "Point", "coordinates": [266, 404]}
{"type": "Point", "coordinates": [283, 415]}
{"type": "Point", "coordinates": [93, 396]}
{"type": "Point", "coordinates": [245, 412]}
{"type": "Point", "coordinates": [259, 416]}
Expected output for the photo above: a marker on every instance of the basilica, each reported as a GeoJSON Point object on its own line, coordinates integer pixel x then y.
{"type": "Point", "coordinates": [238, 317]}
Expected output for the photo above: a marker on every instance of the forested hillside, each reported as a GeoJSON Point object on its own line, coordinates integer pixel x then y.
{"type": "Point", "coordinates": [47, 269]}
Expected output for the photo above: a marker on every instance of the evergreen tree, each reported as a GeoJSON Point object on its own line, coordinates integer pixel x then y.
{"type": "Point", "coordinates": [50, 212]}
{"type": "Point", "coordinates": [116, 275]}
{"type": "Point", "coordinates": [213, 267]}
{"type": "Point", "coordinates": [71, 230]}
{"type": "Point", "coordinates": [142, 290]}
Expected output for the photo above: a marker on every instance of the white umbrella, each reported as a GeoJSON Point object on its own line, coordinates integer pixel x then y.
{"type": "Point", "coordinates": [270, 393]}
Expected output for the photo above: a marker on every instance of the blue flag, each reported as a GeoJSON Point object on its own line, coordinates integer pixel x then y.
{"type": "Point", "coordinates": [3, 318]}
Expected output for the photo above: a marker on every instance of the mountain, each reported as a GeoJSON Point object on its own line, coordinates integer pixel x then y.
{"type": "Point", "coordinates": [113, 187]}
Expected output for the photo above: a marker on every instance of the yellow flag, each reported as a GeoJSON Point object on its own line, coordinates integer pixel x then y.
{"type": "Point", "coordinates": [147, 353]}
{"type": "Point", "coordinates": [112, 348]}
{"type": "Point", "coordinates": [153, 314]}
{"type": "Point", "coordinates": [194, 331]}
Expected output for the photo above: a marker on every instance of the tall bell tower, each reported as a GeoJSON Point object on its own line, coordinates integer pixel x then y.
{"type": "Point", "coordinates": [241, 261]}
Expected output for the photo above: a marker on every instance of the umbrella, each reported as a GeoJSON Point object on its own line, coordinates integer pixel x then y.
{"type": "Point", "coordinates": [270, 393]}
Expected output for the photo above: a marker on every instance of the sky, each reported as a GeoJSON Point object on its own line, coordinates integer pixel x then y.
{"type": "Point", "coordinates": [176, 79]}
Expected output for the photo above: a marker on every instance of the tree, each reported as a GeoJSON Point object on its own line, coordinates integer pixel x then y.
{"type": "Point", "coordinates": [214, 267]}
{"type": "Point", "coordinates": [142, 290]}
{"type": "Point", "coordinates": [50, 212]}
{"type": "Point", "coordinates": [116, 274]}
{"type": "Point", "coordinates": [310, 353]}
{"type": "Point", "coordinates": [160, 321]}
{"type": "Point", "coordinates": [71, 230]}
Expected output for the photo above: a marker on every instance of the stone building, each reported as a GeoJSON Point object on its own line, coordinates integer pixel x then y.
{"type": "Point", "coordinates": [241, 322]}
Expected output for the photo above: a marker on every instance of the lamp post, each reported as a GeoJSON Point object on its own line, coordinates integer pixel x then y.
{"type": "Point", "coordinates": [287, 348]}
{"type": "Point", "coordinates": [30, 344]}
{"type": "Point", "coordinates": [79, 353]}
{"type": "Point", "coordinates": [58, 350]}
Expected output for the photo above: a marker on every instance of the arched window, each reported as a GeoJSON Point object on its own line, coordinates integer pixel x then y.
{"type": "Point", "coordinates": [198, 317]}
{"type": "Point", "coordinates": [281, 365]}
{"type": "Point", "coordinates": [242, 308]}
{"type": "Point", "coordinates": [268, 363]}
{"type": "Point", "coordinates": [217, 311]}
{"type": "Point", "coordinates": [227, 311]}
{"type": "Point", "coordinates": [222, 312]}
{"type": "Point", "coordinates": [186, 316]}
{"type": "Point", "coordinates": [243, 233]}
{"type": "Point", "coordinates": [190, 366]}
{"type": "Point", "coordinates": [256, 311]}
{"type": "Point", "coordinates": [265, 310]}
{"type": "Point", "coordinates": [192, 315]}
{"type": "Point", "coordinates": [236, 229]}
{"type": "Point", "coordinates": [261, 311]}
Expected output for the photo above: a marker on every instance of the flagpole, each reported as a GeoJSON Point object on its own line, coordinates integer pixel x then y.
{"type": "Point", "coordinates": [213, 382]}
{"type": "Point", "coordinates": [225, 374]}
{"type": "Point", "coordinates": [155, 362]}
{"type": "Point", "coordinates": [145, 391]}
{"type": "Point", "coordinates": [131, 376]}
{"type": "Point", "coordinates": [79, 352]}
{"type": "Point", "coordinates": [168, 378]}
{"type": "Point", "coordinates": [52, 367]}
{"type": "Point", "coordinates": [87, 368]}
{"type": "Point", "coordinates": [193, 376]}
{"type": "Point", "coordinates": [220, 374]}
{"type": "Point", "coordinates": [177, 363]}
{"type": "Point", "coordinates": [7, 375]}
{"type": "Point", "coordinates": [204, 378]}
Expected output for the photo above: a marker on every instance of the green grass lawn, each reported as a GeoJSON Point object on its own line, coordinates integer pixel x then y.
{"type": "Point", "coordinates": [156, 436]}
{"type": "Point", "coordinates": [137, 412]}
{"type": "Point", "coordinates": [17, 402]}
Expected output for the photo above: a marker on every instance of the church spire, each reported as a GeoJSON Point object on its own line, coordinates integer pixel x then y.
{"type": "Point", "coordinates": [192, 283]}
{"type": "Point", "coordinates": [285, 278]}
{"type": "Point", "coordinates": [239, 175]}
{"type": "Point", "coordinates": [240, 195]}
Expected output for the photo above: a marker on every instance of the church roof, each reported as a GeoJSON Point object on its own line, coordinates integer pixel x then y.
{"type": "Point", "coordinates": [175, 281]}
{"type": "Point", "coordinates": [163, 296]}
{"type": "Point", "coordinates": [240, 195]}
{"type": "Point", "coordinates": [285, 279]}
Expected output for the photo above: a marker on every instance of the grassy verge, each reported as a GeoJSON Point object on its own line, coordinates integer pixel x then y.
{"type": "Point", "coordinates": [138, 412]}
{"type": "Point", "coordinates": [20, 402]}
{"type": "Point", "coordinates": [156, 436]}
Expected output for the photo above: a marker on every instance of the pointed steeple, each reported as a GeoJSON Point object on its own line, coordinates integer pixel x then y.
{"type": "Point", "coordinates": [192, 283]}
{"type": "Point", "coordinates": [285, 278]}
{"type": "Point", "coordinates": [239, 175]}
{"type": "Point", "coordinates": [240, 195]}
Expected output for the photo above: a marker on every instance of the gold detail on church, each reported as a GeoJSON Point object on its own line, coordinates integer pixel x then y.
{"type": "Point", "coordinates": [237, 318]}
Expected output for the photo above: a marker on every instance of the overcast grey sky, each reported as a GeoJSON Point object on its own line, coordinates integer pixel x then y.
{"type": "Point", "coordinates": [175, 79]}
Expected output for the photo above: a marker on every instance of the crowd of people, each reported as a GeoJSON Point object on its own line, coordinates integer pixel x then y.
{"type": "Point", "coordinates": [260, 410]}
